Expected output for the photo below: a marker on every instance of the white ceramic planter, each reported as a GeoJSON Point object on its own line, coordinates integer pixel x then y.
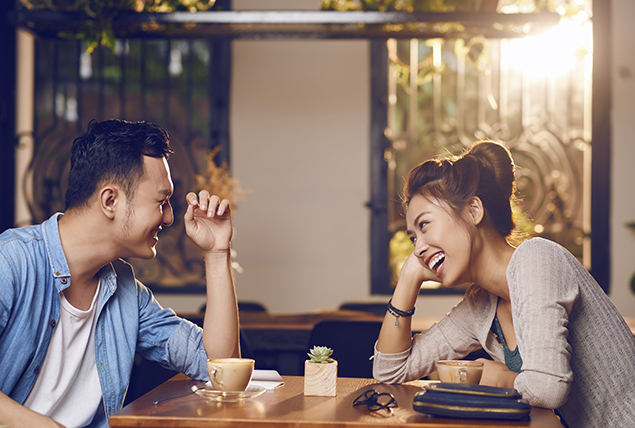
{"type": "Point", "coordinates": [320, 379]}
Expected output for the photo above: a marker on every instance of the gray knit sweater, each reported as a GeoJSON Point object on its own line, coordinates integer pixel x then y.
{"type": "Point", "coordinates": [578, 353]}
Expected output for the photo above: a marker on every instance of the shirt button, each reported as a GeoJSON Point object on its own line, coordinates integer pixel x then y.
{"type": "Point", "coordinates": [64, 280]}
{"type": "Point", "coordinates": [53, 323]}
{"type": "Point", "coordinates": [37, 370]}
{"type": "Point", "coordinates": [58, 273]}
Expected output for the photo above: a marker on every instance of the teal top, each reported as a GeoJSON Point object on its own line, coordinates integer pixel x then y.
{"type": "Point", "coordinates": [513, 360]}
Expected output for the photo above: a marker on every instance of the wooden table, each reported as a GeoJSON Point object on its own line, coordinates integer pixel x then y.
{"type": "Point", "coordinates": [287, 407]}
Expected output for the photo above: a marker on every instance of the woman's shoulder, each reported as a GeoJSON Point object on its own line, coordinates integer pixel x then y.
{"type": "Point", "coordinates": [540, 248]}
{"type": "Point", "coordinates": [539, 261]}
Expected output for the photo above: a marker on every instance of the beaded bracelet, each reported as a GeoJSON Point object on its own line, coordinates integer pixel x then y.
{"type": "Point", "coordinates": [399, 313]}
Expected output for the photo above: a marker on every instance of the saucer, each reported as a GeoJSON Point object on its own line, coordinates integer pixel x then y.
{"type": "Point", "coordinates": [228, 396]}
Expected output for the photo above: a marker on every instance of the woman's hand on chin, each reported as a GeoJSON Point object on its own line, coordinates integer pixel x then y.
{"type": "Point", "coordinates": [414, 271]}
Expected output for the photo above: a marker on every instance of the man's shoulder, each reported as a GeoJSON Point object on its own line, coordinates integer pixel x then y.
{"type": "Point", "coordinates": [22, 243]}
{"type": "Point", "coordinates": [21, 234]}
{"type": "Point", "coordinates": [31, 234]}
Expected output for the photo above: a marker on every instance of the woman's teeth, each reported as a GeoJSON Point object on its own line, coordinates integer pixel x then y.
{"type": "Point", "coordinates": [436, 260]}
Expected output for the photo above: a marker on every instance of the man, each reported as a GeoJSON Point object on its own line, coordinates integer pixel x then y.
{"type": "Point", "coordinates": [72, 314]}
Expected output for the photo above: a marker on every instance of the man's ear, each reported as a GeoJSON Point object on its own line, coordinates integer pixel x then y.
{"type": "Point", "coordinates": [109, 200]}
{"type": "Point", "coordinates": [475, 210]}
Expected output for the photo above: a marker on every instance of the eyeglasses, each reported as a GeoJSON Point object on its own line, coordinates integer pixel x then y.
{"type": "Point", "coordinates": [376, 401]}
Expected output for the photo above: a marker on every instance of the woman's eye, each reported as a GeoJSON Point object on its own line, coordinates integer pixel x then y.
{"type": "Point", "coordinates": [422, 224]}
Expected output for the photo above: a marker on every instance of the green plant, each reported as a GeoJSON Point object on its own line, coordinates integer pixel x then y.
{"type": "Point", "coordinates": [96, 29]}
{"type": "Point", "coordinates": [401, 5]}
{"type": "Point", "coordinates": [321, 355]}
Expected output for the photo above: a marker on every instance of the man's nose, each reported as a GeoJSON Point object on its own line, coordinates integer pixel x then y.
{"type": "Point", "coordinates": [168, 215]}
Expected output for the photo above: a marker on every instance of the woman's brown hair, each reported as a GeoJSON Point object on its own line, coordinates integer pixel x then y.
{"type": "Point", "coordinates": [485, 170]}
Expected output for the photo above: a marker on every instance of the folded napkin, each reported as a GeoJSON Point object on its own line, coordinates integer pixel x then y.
{"type": "Point", "coordinates": [268, 379]}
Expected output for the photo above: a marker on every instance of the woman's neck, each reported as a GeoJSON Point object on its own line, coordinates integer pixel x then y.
{"type": "Point", "coordinates": [490, 259]}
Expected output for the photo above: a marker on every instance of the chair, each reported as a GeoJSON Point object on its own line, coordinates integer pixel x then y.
{"type": "Point", "coordinates": [376, 308]}
{"type": "Point", "coordinates": [146, 375]}
{"type": "Point", "coordinates": [353, 344]}
{"type": "Point", "coordinates": [244, 306]}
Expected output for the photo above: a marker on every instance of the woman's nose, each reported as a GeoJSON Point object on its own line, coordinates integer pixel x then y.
{"type": "Point", "coordinates": [420, 248]}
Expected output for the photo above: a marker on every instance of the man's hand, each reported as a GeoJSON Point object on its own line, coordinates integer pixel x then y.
{"type": "Point", "coordinates": [208, 221]}
{"type": "Point", "coordinates": [496, 373]}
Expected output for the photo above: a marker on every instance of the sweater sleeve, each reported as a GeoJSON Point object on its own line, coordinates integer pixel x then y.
{"type": "Point", "coordinates": [542, 296]}
{"type": "Point", "coordinates": [455, 336]}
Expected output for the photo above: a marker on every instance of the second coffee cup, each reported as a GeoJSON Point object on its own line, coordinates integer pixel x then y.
{"type": "Point", "coordinates": [230, 374]}
{"type": "Point", "coordinates": [460, 371]}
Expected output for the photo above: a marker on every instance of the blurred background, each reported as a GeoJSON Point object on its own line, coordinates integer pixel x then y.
{"type": "Point", "coordinates": [313, 133]}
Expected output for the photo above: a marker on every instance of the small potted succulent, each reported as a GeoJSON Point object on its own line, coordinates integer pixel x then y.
{"type": "Point", "coordinates": [320, 373]}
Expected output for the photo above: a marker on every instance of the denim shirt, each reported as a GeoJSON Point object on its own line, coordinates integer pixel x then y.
{"type": "Point", "coordinates": [33, 271]}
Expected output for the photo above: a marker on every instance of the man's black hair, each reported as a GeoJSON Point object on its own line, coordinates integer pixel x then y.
{"type": "Point", "coordinates": [112, 151]}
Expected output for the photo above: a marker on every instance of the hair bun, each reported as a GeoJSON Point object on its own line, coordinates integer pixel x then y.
{"type": "Point", "coordinates": [484, 170]}
{"type": "Point", "coordinates": [497, 159]}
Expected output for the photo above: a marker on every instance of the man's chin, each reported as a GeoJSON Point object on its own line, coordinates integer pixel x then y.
{"type": "Point", "coordinates": [148, 255]}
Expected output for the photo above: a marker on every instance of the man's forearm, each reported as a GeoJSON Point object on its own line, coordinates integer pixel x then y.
{"type": "Point", "coordinates": [16, 415]}
{"type": "Point", "coordinates": [221, 327]}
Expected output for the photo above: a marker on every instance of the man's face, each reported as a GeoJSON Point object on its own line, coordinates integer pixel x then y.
{"type": "Point", "coordinates": [148, 210]}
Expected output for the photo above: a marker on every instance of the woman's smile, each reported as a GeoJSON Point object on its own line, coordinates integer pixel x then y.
{"type": "Point", "coordinates": [438, 236]}
{"type": "Point", "coordinates": [435, 263]}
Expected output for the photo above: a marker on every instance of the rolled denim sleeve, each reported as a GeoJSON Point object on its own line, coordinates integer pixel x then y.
{"type": "Point", "coordinates": [172, 341]}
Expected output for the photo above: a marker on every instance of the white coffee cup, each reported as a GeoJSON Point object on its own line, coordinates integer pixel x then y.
{"type": "Point", "coordinates": [230, 374]}
{"type": "Point", "coordinates": [460, 371]}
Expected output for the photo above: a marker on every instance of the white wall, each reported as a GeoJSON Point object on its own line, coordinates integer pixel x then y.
{"type": "Point", "coordinates": [300, 121]}
{"type": "Point", "coordinates": [300, 117]}
{"type": "Point", "coordinates": [623, 156]}
{"type": "Point", "coordinates": [299, 127]}
{"type": "Point", "coordinates": [300, 141]}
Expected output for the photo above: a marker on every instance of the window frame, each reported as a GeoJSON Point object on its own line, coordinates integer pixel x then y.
{"type": "Point", "coordinates": [600, 165]}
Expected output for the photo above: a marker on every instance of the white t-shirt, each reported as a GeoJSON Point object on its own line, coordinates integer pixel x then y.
{"type": "Point", "coordinates": [67, 388]}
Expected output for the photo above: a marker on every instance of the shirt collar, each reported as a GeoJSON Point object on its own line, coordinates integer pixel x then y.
{"type": "Point", "coordinates": [57, 259]}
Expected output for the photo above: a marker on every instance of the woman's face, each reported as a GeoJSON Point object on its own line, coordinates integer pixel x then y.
{"type": "Point", "coordinates": [442, 242]}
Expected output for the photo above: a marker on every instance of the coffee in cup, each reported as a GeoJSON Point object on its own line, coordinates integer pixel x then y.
{"type": "Point", "coordinates": [460, 371]}
{"type": "Point", "coordinates": [230, 374]}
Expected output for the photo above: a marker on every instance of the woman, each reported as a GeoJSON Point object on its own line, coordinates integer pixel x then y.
{"type": "Point", "coordinates": [552, 332]}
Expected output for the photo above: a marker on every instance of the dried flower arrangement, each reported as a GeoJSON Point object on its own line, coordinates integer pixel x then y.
{"type": "Point", "coordinates": [218, 180]}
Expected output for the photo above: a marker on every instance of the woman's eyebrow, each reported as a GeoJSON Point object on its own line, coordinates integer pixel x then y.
{"type": "Point", "coordinates": [417, 218]}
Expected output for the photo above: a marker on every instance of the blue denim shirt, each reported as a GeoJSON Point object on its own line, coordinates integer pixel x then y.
{"type": "Point", "coordinates": [33, 271]}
